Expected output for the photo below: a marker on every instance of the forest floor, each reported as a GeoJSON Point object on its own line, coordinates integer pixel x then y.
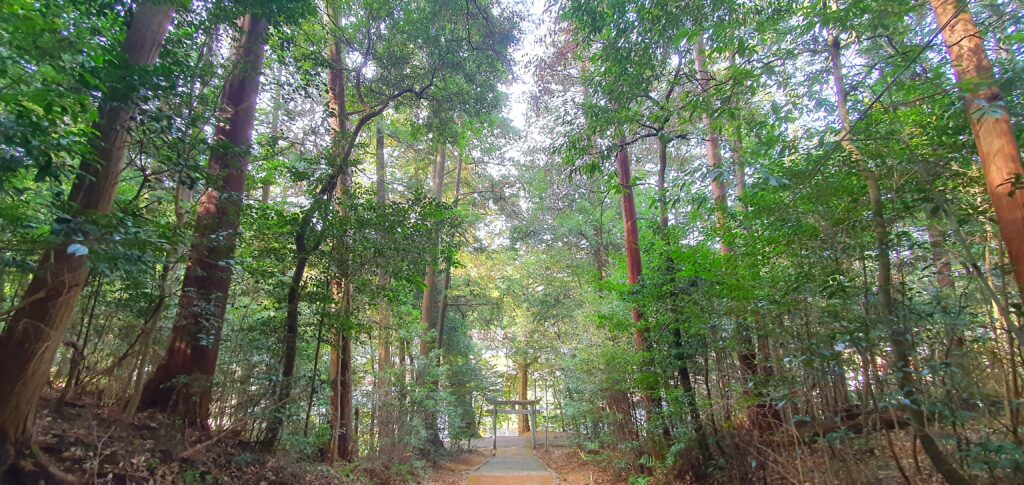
{"type": "Point", "coordinates": [573, 469]}
{"type": "Point", "coordinates": [457, 470]}
{"type": "Point", "coordinates": [90, 443]}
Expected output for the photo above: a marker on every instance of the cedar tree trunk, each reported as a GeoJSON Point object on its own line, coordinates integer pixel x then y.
{"type": "Point", "coordinates": [33, 332]}
{"type": "Point", "coordinates": [182, 382]}
{"type": "Point", "coordinates": [429, 311]}
{"type": "Point", "coordinates": [990, 123]}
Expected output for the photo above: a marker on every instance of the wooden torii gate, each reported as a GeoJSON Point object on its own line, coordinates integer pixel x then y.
{"type": "Point", "coordinates": [531, 412]}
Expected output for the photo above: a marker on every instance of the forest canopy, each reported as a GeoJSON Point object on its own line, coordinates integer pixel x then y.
{"type": "Point", "coordinates": [297, 241]}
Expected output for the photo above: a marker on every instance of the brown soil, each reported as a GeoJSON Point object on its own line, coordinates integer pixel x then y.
{"type": "Point", "coordinates": [455, 471]}
{"type": "Point", "coordinates": [90, 443]}
{"type": "Point", "coordinates": [573, 469]}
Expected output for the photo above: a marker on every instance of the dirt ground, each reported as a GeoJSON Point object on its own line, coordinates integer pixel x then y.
{"type": "Point", "coordinates": [572, 469]}
{"type": "Point", "coordinates": [91, 444]}
{"type": "Point", "coordinates": [455, 472]}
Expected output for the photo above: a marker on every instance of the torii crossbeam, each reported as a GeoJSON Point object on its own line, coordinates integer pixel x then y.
{"type": "Point", "coordinates": [531, 412]}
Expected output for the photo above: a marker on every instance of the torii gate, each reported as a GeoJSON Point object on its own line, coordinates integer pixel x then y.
{"type": "Point", "coordinates": [531, 412]}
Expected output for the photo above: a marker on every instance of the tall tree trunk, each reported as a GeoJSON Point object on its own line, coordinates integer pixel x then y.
{"type": "Point", "coordinates": [900, 336]}
{"type": "Point", "coordinates": [633, 263]}
{"type": "Point", "coordinates": [447, 284]}
{"type": "Point", "coordinates": [522, 388]}
{"type": "Point", "coordinates": [429, 308]}
{"type": "Point", "coordinates": [759, 414]}
{"type": "Point", "coordinates": [386, 431]}
{"type": "Point", "coordinates": [629, 220]}
{"type": "Point", "coordinates": [340, 372]}
{"type": "Point", "coordinates": [990, 123]}
{"type": "Point", "coordinates": [304, 247]}
{"type": "Point", "coordinates": [342, 417]}
{"type": "Point", "coordinates": [182, 381]}
{"type": "Point", "coordinates": [719, 194]}
{"type": "Point", "coordinates": [304, 250]}
{"type": "Point", "coordinates": [33, 332]}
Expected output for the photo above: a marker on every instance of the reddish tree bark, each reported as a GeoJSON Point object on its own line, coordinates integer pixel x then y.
{"type": "Point", "coordinates": [343, 434]}
{"type": "Point", "coordinates": [182, 381]}
{"type": "Point", "coordinates": [633, 266]}
{"type": "Point", "coordinates": [342, 409]}
{"type": "Point", "coordinates": [620, 407]}
{"type": "Point", "coordinates": [33, 332]}
{"type": "Point", "coordinates": [990, 124]}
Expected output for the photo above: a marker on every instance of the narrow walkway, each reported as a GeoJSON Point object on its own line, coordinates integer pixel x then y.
{"type": "Point", "coordinates": [513, 464]}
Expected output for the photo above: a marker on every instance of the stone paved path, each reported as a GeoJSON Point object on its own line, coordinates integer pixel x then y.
{"type": "Point", "coordinates": [513, 464]}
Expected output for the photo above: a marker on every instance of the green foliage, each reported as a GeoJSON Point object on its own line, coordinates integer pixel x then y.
{"type": "Point", "coordinates": [766, 304]}
{"type": "Point", "coordinates": [52, 62]}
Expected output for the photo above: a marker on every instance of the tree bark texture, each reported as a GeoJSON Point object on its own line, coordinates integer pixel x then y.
{"type": "Point", "coordinates": [429, 308]}
{"type": "Point", "coordinates": [629, 220]}
{"type": "Point", "coordinates": [633, 264]}
{"type": "Point", "coordinates": [182, 381]}
{"type": "Point", "coordinates": [34, 331]}
{"type": "Point", "coordinates": [342, 423]}
{"type": "Point", "coordinates": [990, 124]}
{"type": "Point", "coordinates": [719, 194]}
{"type": "Point", "coordinates": [386, 430]}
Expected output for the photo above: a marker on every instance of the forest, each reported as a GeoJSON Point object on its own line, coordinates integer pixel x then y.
{"type": "Point", "coordinates": [511, 242]}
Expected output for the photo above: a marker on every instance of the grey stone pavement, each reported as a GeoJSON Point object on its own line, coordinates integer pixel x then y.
{"type": "Point", "coordinates": [514, 462]}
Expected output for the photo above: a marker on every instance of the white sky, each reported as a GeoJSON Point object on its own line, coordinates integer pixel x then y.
{"type": "Point", "coordinates": [529, 46]}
